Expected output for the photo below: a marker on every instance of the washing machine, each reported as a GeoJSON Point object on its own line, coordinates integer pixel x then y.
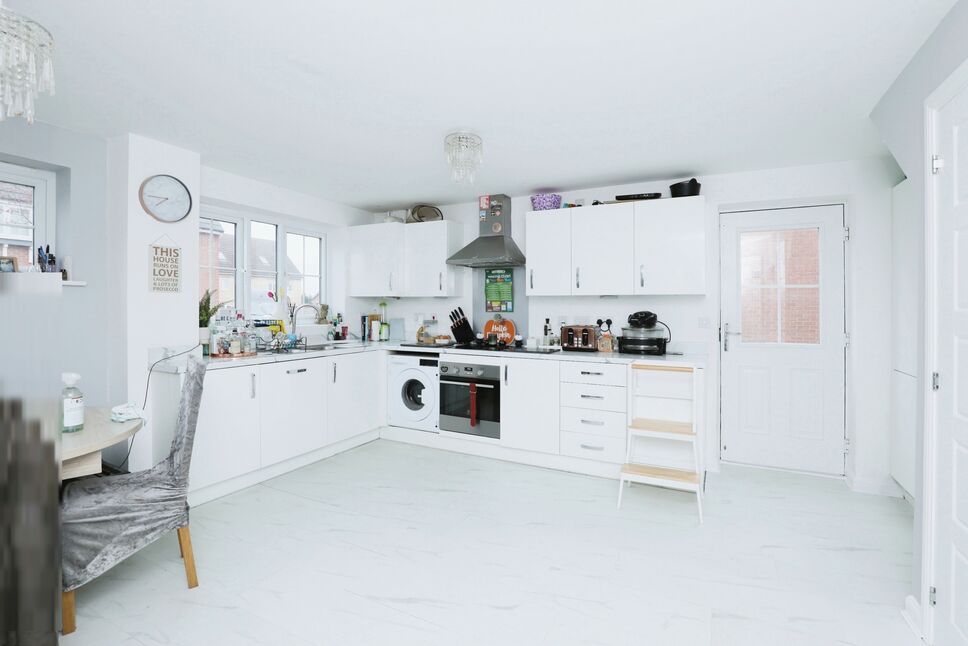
{"type": "Point", "coordinates": [413, 391]}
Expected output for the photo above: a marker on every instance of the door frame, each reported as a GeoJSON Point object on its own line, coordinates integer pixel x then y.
{"type": "Point", "coordinates": [782, 205]}
{"type": "Point", "coordinates": [919, 615]}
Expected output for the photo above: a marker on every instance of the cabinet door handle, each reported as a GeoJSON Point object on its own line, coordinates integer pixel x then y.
{"type": "Point", "coordinates": [592, 397]}
{"type": "Point", "coordinates": [596, 374]}
{"type": "Point", "coordinates": [440, 281]}
{"type": "Point", "coordinates": [593, 422]}
{"type": "Point", "coordinates": [532, 278]}
{"type": "Point", "coordinates": [505, 374]}
{"type": "Point", "coordinates": [589, 447]}
{"type": "Point", "coordinates": [253, 386]}
{"type": "Point", "coordinates": [295, 371]}
{"type": "Point", "coordinates": [577, 277]}
{"type": "Point", "coordinates": [641, 275]}
{"type": "Point", "coordinates": [391, 281]}
{"type": "Point", "coordinates": [334, 372]}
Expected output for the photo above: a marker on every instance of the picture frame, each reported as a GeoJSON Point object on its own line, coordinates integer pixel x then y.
{"type": "Point", "coordinates": [8, 265]}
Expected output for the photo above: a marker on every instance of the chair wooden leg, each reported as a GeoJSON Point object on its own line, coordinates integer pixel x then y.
{"type": "Point", "coordinates": [68, 619]}
{"type": "Point", "coordinates": [185, 543]}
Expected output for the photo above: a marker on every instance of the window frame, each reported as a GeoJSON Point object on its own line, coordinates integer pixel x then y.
{"type": "Point", "coordinates": [44, 183]}
{"type": "Point", "coordinates": [243, 219]}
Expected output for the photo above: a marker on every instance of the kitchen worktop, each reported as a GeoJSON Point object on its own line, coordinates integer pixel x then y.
{"type": "Point", "coordinates": [178, 364]}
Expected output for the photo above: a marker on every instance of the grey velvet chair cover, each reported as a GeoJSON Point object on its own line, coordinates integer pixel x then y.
{"type": "Point", "coordinates": [104, 520]}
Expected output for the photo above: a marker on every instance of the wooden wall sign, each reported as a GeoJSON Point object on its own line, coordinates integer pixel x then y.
{"type": "Point", "coordinates": [165, 268]}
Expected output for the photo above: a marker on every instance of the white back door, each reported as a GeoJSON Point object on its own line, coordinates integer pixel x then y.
{"type": "Point", "coordinates": [783, 338]}
{"type": "Point", "coordinates": [951, 361]}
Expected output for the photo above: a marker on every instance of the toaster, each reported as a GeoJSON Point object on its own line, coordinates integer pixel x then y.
{"type": "Point", "coordinates": [579, 338]}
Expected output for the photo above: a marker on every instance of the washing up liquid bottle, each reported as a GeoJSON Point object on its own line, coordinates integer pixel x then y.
{"type": "Point", "coordinates": [72, 404]}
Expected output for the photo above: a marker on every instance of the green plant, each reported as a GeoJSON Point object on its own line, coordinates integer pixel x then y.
{"type": "Point", "coordinates": [206, 310]}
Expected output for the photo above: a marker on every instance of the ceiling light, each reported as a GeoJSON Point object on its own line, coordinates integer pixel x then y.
{"type": "Point", "coordinates": [26, 64]}
{"type": "Point", "coordinates": [465, 151]}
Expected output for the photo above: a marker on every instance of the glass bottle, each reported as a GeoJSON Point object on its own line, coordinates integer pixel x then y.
{"type": "Point", "coordinates": [72, 404]}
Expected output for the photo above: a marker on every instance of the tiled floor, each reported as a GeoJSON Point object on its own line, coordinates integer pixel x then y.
{"type": "Point", "coordinates": [393, 544]}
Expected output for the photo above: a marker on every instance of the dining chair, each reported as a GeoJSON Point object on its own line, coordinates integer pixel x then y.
{"type": "Point", "coordinates": [106, 519]}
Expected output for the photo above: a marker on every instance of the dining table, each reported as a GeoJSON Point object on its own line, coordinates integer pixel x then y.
{"type": "Point", "coordinates": [81, 450]}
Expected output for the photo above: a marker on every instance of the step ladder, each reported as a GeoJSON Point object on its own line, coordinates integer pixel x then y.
{"type": "Point", "coordinates": [664, 391]}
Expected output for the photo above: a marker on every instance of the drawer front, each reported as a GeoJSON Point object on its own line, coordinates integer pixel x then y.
{"type": "Point", "coordinates": [586, 372]}
{"type": "Point", "coordinates": [597, 422]}
{"type": "Point", "coordinates": [593, 447]}
{"type": "Point", "coordinates": [611, 398]}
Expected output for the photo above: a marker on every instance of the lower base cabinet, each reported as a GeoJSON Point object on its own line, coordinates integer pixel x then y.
{"type": "Point", "coordinates": [352, 407]}
{"type": "Point", "coordinates": [530, 405]}
{"type": "Point", "coordinates": [227, 435]}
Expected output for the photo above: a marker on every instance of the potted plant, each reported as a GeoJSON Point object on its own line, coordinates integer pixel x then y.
{"type": "Point", "coordinates": [205, 313]}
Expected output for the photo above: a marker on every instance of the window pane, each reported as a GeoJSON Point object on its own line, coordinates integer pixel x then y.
{"type": "Point", "coordinates": [260, 304]}
{"type": "Point", "coordinates": [801, 315]}
{"type": "Point", "coordinates": [224, 235]}
{"type": "Point", "coordinates": [16, 204]}
{"type": "Point", "coordinates": [19, 243]}
{"type": "Point", "coordinates": [294, 254]}
{"type": "Point", "coordinates": [225, 292]}
{"type": "Point", "coordinates": [801, 256]}
{"type": "Point", "coordinates": [757, 252]}
{"type": "Point", "coordinates": [204, 281]}
{"type": "Point", "coordinates": [312, 256]}
{"type": "Point", "coordinates": [759, 315]}
{"type": "Point", "coordinates": [295, 292]}
{"type": "Point", "coordinates": [262, 248]}
{"type": "Point", "coordinates": [311, 289]}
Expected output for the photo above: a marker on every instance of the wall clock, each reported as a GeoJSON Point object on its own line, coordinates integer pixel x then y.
{"type": "Point", "coordinates": [165, 198]}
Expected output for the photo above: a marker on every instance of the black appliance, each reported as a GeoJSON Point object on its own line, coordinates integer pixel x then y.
{"type": "Point", "coordinates": [501, 346]}
{"type": "Point", "coordinates": [470, 399]}
{"type": "Point", "coordinates": [642, 336]}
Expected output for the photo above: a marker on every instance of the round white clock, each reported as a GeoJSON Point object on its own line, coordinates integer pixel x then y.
{"type": "Point", "coordinates": [165, 198]}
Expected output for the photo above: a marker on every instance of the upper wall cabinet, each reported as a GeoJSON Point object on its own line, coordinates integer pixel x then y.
{"type": "Point", "coordinates": [601, 250]}
{"type": "Point", "coordinates": [427, 245]}
{"type": "Point", "coordinates": [670, 246]}
{"type": "Point", "coordinates": [395, 259]}
{"type": "Point", "coordinates": [548, 242]}
{"type": "Point", "coordinates": [376, 259]}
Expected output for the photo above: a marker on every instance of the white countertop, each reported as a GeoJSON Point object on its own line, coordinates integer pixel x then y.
{"type": "Point", "coordinates": [177, 365]}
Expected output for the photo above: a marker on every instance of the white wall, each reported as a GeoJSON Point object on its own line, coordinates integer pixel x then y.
{"type": "Point", "coordinates": [152, 319]}
{"type": "Point", "coordinates": [864, 186]}
{"type": "Point", "coordinates": [899, 117]}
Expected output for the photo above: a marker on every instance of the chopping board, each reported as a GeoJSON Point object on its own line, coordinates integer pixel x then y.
{"type": "Point", "coordinates": [503, 328]}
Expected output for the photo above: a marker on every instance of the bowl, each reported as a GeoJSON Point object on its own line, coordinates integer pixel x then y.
{"type": "Point", "coordinates": [545, 201]}
{"type": "Point", "coordinates": [685, 189]}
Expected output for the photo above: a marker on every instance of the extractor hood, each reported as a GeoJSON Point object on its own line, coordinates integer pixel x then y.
{"type": "Point", "coordinates": [493, 246]}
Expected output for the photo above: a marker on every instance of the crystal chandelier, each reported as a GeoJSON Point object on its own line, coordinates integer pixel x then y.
{"type": "Point", "coordinates": [26, 64]}
{"type": "Point", "coordinates": [465, 152]}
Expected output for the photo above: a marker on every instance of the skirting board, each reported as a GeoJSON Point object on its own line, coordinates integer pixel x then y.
{"type": "Point", "coordinates": [912, 615]}
{"type": "Point", "coordinates": [487, 450]}
{"type": "Point", "coordinates": [876, 486]}
{"type": "Point", "coordinates": [219, 489]}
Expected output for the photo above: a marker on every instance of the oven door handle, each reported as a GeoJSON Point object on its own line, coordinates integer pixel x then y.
{"type": "Point", "coordinates": [473, 420]}
{"type": "Point", "coordinates": [463, 383]}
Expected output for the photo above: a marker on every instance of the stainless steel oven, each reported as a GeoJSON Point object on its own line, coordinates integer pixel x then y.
{"type": "Point", "coordinates": [470, 399]}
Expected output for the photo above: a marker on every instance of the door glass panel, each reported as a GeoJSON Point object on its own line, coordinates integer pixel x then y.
{"type": "Point", "coordinates": [780, 282]}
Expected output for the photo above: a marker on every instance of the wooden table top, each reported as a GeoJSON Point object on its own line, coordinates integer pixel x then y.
{"type": "Point", "coordinates": [99, 433]}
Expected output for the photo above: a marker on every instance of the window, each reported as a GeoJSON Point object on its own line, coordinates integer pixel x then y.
{"type": "Point", "coordinates": [217, 253]}
{"type": "Point", "coordinates": [780, 286]}
{"type": "Point", "coordinates": [263, 269]}
{"type": "Point", "coordinates": [304, 268]}
{"type": "Point", "coordinates": [27, 198]}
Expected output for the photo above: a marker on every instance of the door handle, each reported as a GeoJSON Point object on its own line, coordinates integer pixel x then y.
{"type": "Point", "coordinates": [440, 281]}
{"type": "Point", "coordinates": [295, 371]}
{"type": "Point", "coordinates": [589, 447]}
{"type": "Point", "coordinates": [593, 397]}
{"type": "Point", "coordinates": [593, 422]}
{"type": "Point", "coordinates": [253, 386]}
{"type": "Point", "coordinates": [577, 277]}
{"type": "Point", "coordinates": [641, 275]}
{"type": "Point", "coordinates": [465, 385]}
{"type": "Point", "coordinates": [726, 335]}
{"type": "Point", "coordinates": [505, 374]}
{"type": "Point", "coordinates": [596, 374]}
{"type": "Point", "coordinates": [532, 279]}
{"type": "Point", "coordinates": [334, 372]}
{"type": "Point", "coordinates": [391, 281]}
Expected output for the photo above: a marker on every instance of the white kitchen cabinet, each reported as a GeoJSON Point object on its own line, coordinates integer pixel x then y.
{"type": "Point", "coordinates": [427, 246]}
{"type": "Point", "coordinates": [292, 408]}
{"type": "Point", "coordinates": [601, 250]}
{"type": "Point", "coordinates": [356, 384]}
{"type": "Point", "coordinates": [548, 241]}
{"type": "Point", "coordinates": [530, 405]}
{"type": "Point", "coordinates": [376, 259]}
{"type": "Point", "coordinates": [670, 246]}
{"type": "Point", "coordinates": [227, 433]}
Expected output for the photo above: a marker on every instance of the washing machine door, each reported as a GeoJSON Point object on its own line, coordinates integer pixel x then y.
{"type": "Point", "coordinates": [415, 397]}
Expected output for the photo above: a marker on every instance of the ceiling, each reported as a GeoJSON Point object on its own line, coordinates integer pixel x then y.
{"type": "Point", "coordinates": [351, 101]}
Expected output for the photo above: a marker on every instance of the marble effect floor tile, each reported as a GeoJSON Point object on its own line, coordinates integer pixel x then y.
{"type": "Point", "coordinates": [397, 544]}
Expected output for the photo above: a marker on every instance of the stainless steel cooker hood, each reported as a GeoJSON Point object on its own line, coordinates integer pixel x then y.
{"type": "Point", "coordinates": [493, 246]}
